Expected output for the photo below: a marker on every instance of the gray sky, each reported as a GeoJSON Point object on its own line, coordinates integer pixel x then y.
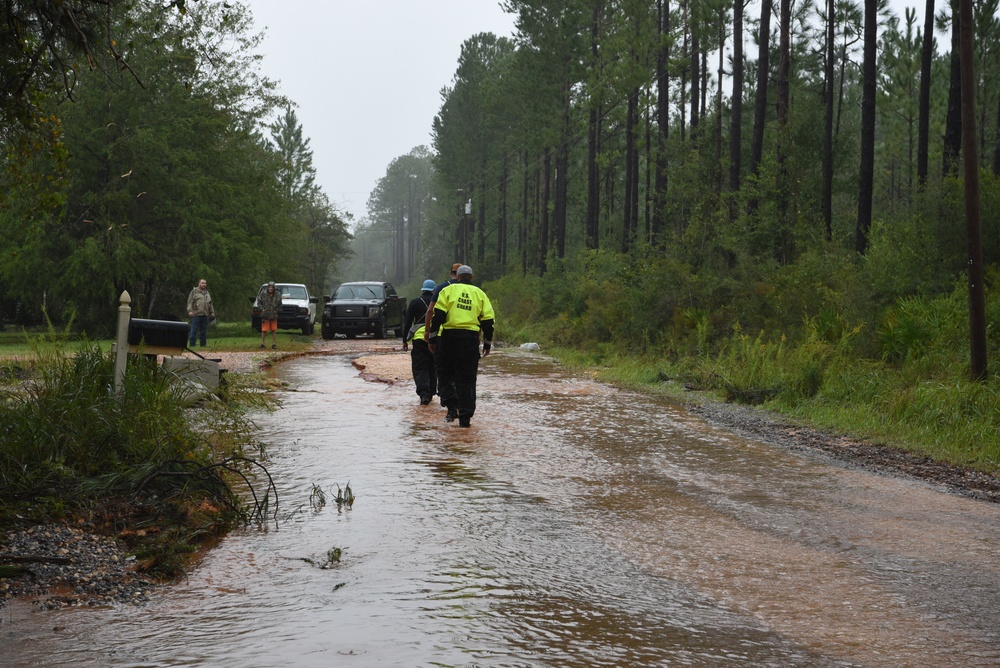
{"type": "Point", "coordinates": [366, 76]}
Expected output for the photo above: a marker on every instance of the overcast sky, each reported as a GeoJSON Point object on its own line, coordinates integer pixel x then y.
{"type": "Point", "coordinates": [366, 76]}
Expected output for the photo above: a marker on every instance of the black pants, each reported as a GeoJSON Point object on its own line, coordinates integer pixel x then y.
{"type": "Point", "coordinates": [445, 382]}
{"type": "Point", "coordinates": [423, 368]}
{"type": "Point", "coordinates": [459, 365]}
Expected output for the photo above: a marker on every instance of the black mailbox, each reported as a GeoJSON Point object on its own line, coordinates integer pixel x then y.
{"type": "Point", "coordinates": [158, 333]}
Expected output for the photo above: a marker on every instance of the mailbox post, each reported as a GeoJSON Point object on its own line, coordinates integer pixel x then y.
{"type": "Point", "coordinates": [121, 349]}
{"type": "Point", "coordinates": [159, 337]}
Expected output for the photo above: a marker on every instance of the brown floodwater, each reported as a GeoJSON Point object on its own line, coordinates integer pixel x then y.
{"type": "Point", "coordinates": [573, 525]}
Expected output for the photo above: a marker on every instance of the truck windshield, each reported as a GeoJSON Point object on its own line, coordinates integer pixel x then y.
{"type": "Point", "coordinates": [292, 292]}
{"type": "Point", "coordinates": [359, 292]}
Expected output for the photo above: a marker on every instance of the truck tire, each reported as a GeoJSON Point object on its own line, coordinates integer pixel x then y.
{"type": "Point", "coordinates": [327, 333]}
{"type": "Point", "coordinates": [380, 330]}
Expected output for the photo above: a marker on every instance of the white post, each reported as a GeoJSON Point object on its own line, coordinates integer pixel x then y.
{"type": "Point", "coordinates": [121, 341]}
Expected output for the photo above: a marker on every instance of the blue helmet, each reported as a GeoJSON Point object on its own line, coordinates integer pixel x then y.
{"type": "Point", "coordinates": [429, 285]}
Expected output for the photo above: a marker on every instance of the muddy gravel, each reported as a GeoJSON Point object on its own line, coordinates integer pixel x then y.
{"type": "Point", "coordinates": [82, 569]}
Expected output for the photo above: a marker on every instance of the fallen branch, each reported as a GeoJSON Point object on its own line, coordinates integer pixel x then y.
{"type": "Point", "coordinates": [210, 477]}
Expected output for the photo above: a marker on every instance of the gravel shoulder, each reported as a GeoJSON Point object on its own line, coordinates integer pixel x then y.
{"type": "Point", "coordinates": [78, 568]}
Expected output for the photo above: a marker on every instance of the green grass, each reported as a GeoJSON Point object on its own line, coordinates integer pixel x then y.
{"type": "Point", "coordinates": [223, 337]}
{"type": "Point", "coordinates": [74, 449]}
{"type": "Point", "coordinates": [238, 336]}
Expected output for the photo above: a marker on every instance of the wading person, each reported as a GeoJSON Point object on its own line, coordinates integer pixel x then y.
{"type": "Point", "coordinates": [421, 359]}
{"type": "Point", "coordinates": [450, 390]}
{"type": "Point", "coordinates": [200, 310]}
{"type": "Point", "coordinates": [270, 304]}
{"type": "Point", "coordinates": [462, 313]}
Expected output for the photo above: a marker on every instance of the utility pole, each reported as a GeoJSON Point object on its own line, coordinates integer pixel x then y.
{"type": "Point", "coordinates": [463, 227]}
{"type": "Point", "coordinates": [973, 225]}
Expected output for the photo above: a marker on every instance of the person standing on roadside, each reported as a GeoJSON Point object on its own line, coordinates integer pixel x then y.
{"type": "Point", "coordinates": [270, 304]}
{"type": "Point", "coordinates": [421, 359]}
{"type": "Point", "coordinates": [201, 311]}
{"type": "Point", "coordinates": [450, 390]}
{"type": "Point", "coordinates": [462, 313]}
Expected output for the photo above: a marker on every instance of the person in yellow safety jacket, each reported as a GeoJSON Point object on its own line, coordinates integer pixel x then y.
{"type": "Point", "coordinates": [452, 278]}
{"type": "Point", "coordinates": [462, 313]}
{"type": "Point", "coordinates": [421, 359]}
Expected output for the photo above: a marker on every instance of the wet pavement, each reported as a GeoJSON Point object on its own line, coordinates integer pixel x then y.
{"type": "Point", "coordinates": [573, 525]}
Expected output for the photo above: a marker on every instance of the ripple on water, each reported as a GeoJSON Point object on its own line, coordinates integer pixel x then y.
{"type": "Point", "coordinates": [575, 525]}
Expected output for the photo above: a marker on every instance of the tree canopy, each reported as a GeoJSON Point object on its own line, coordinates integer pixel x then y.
{"type": "Point", "coordinates": [162, 172]}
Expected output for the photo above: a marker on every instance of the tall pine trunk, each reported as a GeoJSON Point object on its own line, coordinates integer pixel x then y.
{"type": "Point", "coordinates": [562, 168]}
{"type": "Point", "coordinates": [828, 123]}
{"type": "Point", "coordinates": [543, 228]}
{"type": "Point", "coordinates": [953, 122]}
{"type": "Point", "coordinates": [926, 59]}
{"type": "Point", "coordinates": [502, 218]}
{"type": "Point", "coordinates": [760, 106]}
{"type": "Point", "coordinates": [481, 231]}
{"type": "Point", "coordinates": [996, 145]}
{"type": "Point", "coordinates": [559, 211]}
{"type": "Point", "coordinates": [736, 119]}
{"type": "Point", "coordinates": [662, 121]}
{"type": "Point", "coordinates": [973, 223]}
{"type": "Point", "coordinates": [718, 108]}
{"type": "Point", "coordinates": [594, 136]}
{"type": "Point", "coordinates": [650, 164]}
{"type": "Point", "coordinates": [631, 177]}
{"type": "Point", "coordinates": [866, 176]}
{"type": "Point", "coordinates": [682, 107]}
{"type": "Point", "coordinates": [695, 73]}
{"type": "Point", "coordinates": [522, 229]}
{"type": "Point", "coordinates": [784, 72]}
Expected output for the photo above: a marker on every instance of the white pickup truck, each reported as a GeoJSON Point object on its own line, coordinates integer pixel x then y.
{"type": "Point", "coordinates": [298, 309]}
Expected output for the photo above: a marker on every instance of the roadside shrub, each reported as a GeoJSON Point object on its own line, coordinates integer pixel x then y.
{"type": "Point", "coordinates": [747, 369]}
{"type": "Point", "coordinates": [934, 329]}
{"type": "Point", "coordinates": [67, 429]}
{"type": "Point", "coordinates": [820, 286]}
{"type": "Point", "coordinates": [517, 302]}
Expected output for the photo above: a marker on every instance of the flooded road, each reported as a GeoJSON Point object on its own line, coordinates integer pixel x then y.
{"type": "Point", "coordinates": [573, 525]}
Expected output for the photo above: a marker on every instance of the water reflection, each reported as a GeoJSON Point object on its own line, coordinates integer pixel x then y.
{"type": "Point", "coordinates": [572, 525]}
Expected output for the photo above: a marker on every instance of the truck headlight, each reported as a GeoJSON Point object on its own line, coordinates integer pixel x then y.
{"type": "Point", "coordinates": [374, 311]}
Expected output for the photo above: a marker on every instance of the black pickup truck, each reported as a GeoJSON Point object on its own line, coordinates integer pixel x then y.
{"type": "Point", "coordinates": [363, 307]}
